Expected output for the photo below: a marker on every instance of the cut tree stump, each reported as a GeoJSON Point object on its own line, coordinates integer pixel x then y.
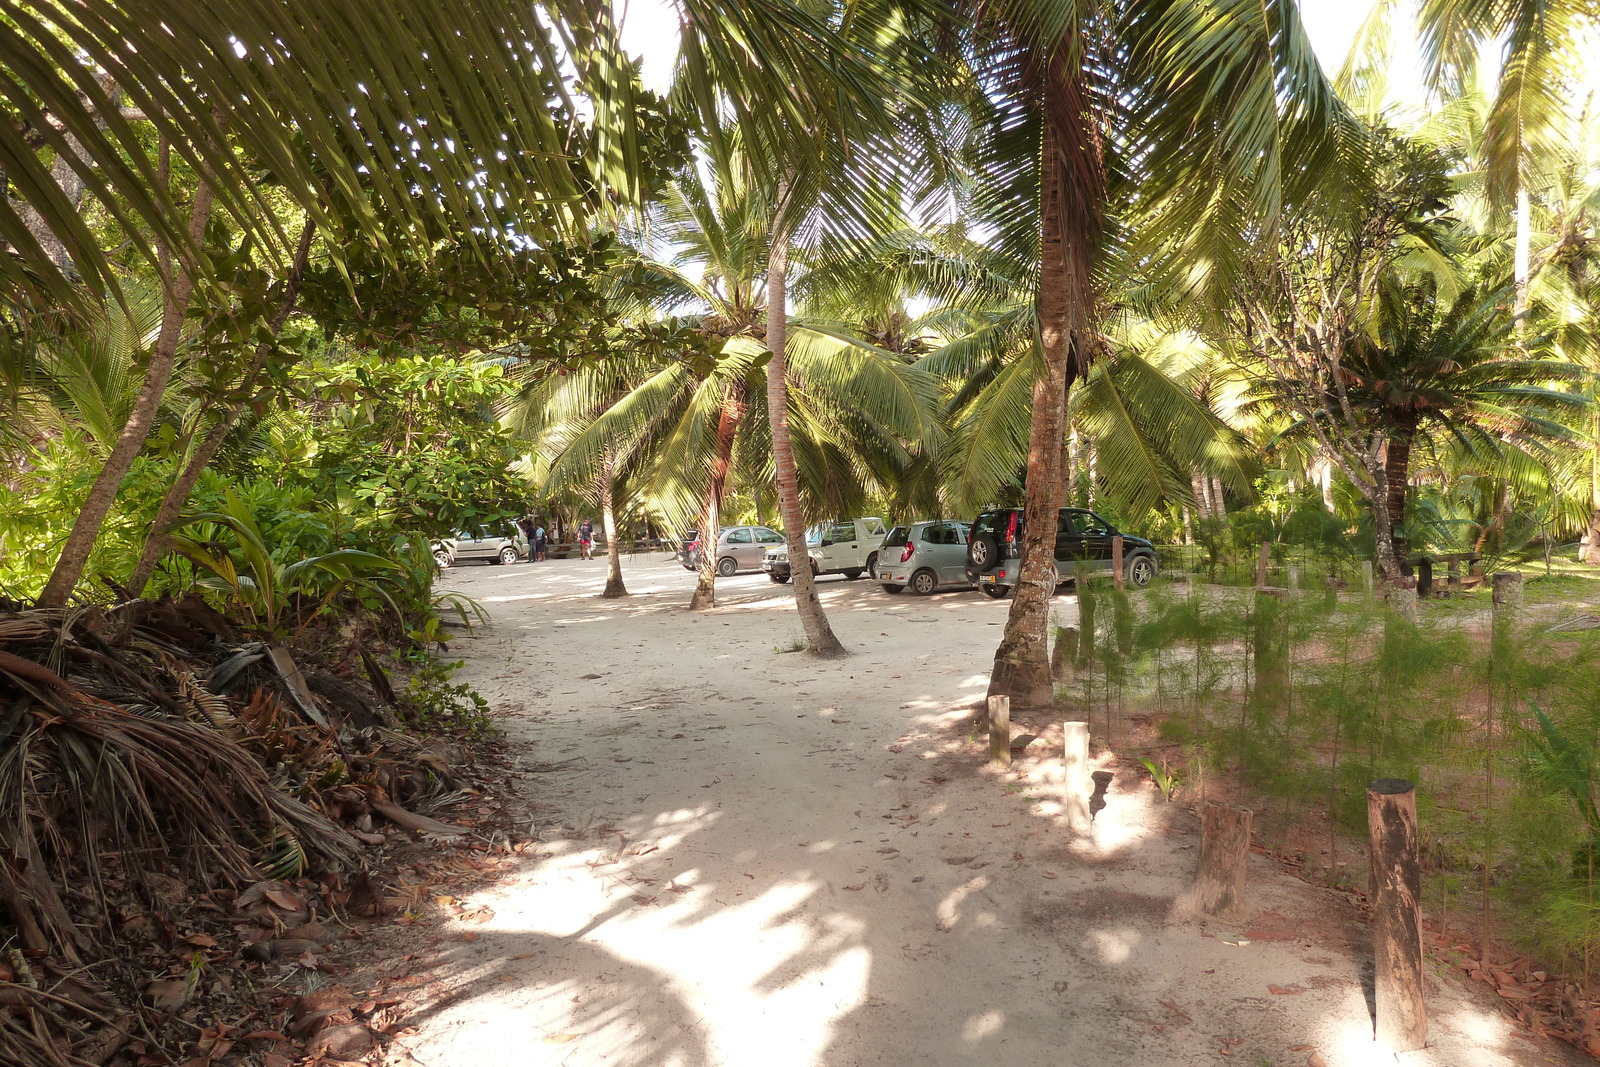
{"type": "Point", "coordinates": [1401, 1022]}
{"type": "Point", "coordinates": [1224, 854]}
{"type": "Point", "coordinates": [1000, 731]}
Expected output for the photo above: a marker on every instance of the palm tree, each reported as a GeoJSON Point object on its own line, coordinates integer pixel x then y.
{"type": "Point", "coordinates": [382, 102]}
{"type": "Point", "coordinates": [1428, 367]}
{"type": "Point", "coordinates": [1178, 117]}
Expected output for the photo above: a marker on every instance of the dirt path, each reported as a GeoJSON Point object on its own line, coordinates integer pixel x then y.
{"type": "Point", "coordinates": [758, 859]}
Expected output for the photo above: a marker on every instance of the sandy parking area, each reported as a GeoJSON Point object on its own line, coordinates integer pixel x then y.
{"type": "Point", "coordinates": [753, 858]}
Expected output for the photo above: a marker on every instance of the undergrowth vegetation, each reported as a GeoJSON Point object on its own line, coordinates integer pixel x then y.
{"type": "Point", "coordinates": [1303, 698]}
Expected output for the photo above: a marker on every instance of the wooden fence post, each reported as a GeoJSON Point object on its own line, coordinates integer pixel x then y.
{"type": "Point", "coordinates": [1000, 731]}
{"type": "Point", "coordinates": [1261, 564]}
{"type": "Point", "coordinates": [1116, 558]}
{"type": "Point", "coordinates": [1076, 784]}
{"type": "Point", "coordinates": [1507, 591]}
{"type": "Point", "coordinates": [1224, 854]}
{"type": "Point", "coordinates": [1401, 1022]}
{"type": "Point", "coordinates": [1366, 575]}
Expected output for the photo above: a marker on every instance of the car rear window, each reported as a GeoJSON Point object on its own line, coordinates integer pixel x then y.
{"type": "Point", "coordinates": [897, 537]}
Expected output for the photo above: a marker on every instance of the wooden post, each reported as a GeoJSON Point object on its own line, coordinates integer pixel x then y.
{"type": "Point", "coordinates": [1401, 1023]}
{"type": "Point", "coordinates": [1507, 591]}
{"type": "Point", "coordinates": [1452, 578]}
{"type": "Point", "coordinates": [1116, 558]}
{"type": "Point", "coordinates": [1063, 652]}
{"type": "Point", "coordinates": [1224, 854]}
{"type": "Point", "coordinates": [1076, 783]}
{"type": "Point", "coordinates": [1271, 641]}
{"type": "Point", "coordinates": [1366, 575]}
{"type": "Point", "coordinates": [1294, 577]}
{"type": "Point", "coordinates": [1000, 731]}
{"type": "Point", "coordinates": [1261, 564]}
{"type": "Point", "coordinates": [1424, 578]}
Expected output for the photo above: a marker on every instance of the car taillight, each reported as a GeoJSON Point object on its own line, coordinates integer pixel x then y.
{"type": "Point", "coordinates": [1011, 528]}
{"type": "Point", "coordinates": [905, 557]}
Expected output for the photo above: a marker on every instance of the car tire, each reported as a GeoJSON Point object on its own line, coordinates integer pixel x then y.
{"type": "Point", "coordinates": [853, 574]}
{"type": "Point", "coordinates": [872, 565]}
{"type": "Point", "coordinates": [983, 552]}
{"type": "Point", "coordinates": [442, 558]}
{"type": "Point", "coordinates": [508, 555]}
{"type": "Point", "coordinates": [727, 566]}
{"type": "Point", "coordinates": [890, 587]}
{"type": "Point", "coordinates": [924, 582]}
{"type": "Point", "coordinates": [780, 579]}
{"type": "Point", "coordinates": [1141, 571]}
{"type": "Point", "coordinates": [996, 592]}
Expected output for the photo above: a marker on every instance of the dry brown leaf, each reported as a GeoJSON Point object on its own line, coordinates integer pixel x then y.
{"type": "Point", "coordinates": [855, 888]}
{"type": "Point", "coordinates": [559, 1039]}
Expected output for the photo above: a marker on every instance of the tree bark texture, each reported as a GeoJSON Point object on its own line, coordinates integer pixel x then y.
{"type": "Point", "coordinates": [1401, 1024]}
{"type": "Point", "coordinates": [177, 495]}
{"type": "Point", "coordinates": [608, 522]}
{"type": "Point", "coordinates": [1071, 202]}
{"type": "Point", "coordinates": [735, 405]}
{"type": "Point", "coordinates": [1397, 472]}
{"type": "Point", "coordinates": [820, 638]}
{"type": "Point", "coordinates": [141, 418]}
{"type": "Point", "coordinates": [1224, 858]}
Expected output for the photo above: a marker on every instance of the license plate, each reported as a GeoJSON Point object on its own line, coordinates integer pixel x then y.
{"type": "Point", "coordinates": [986, 578]}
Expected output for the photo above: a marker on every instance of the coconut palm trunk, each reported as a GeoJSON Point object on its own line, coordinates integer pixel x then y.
{"type": "Point", "coordinates": [1071, 199]}
{"type": "Point", "coordinates": [731, 416]}
{"type": "Point", "coordinates": [608, 522]}
{"type": "Point", "coordinates": [141, 419]}
{"type": "Point", "coordinates": [820, 638]}
{"type": "Point", "coordinates": [1591, 551]}
{"type": "Point", "coordinates": [177, 495]}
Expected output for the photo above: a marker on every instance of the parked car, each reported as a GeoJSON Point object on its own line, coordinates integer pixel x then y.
{"type": "Point", "coordinates": [926, 556]}
{"type": "Point", "coordinates": [499, 542]}
{"type": "Point", "coordinates": [848, 547]}
{"type": "Point", "coordinates": [1083, 542]}
{"type": "Point", "coordinates": [739, 548]}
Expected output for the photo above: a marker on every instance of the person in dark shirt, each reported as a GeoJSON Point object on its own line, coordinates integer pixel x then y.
{"type": "Point", "coordinates": [586, 538]}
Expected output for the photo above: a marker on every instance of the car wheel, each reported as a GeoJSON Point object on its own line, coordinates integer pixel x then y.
{"type": "Point", "coordinates": [726, 566]}
{"type": "Point", "coordinates": [508, 555]}
{"type": "Point", "coordinates": [983, 552]}
{"type": "Point", "coordinates": [853, 574]}
{"type": "Point", "coordinates": [890, 587]}
{"type": "Point", "coordinates": [872, 565]}
{"type": "Point", "coordinates": [996, 592]}
{"type": "Point", "coordinates": [1141, 571]}
{"type": "Point", "coordinates": [441, 557]}
{"type": "Point", "coordinates": [924, 582]}
{"type": "Point", "coordinates": [781, 579]}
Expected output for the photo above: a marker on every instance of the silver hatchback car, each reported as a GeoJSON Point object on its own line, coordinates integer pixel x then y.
{"type": "Point", "coordinates": [739, 548]}
{"type": "Point", "coordinates": [926, 556]}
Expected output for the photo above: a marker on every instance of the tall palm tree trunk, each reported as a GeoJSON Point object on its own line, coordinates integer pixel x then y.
{"type": "Point", "coordinates": [820, 638]}
{"type": "Point", "coordinates": [734, 408]}
{"type": "Point", "coordinates": [141, 419]}
{"type": "Point", "coordinates": [1397, 472]}
{"type": "Point", "coordinates": [1591, 551]}
{"type": "Point", "coordinates": [1071, 198]}
{"type": "Point", "coordinates": [177, 495]}
{"type": "Point", "coordinates": [608, 522]}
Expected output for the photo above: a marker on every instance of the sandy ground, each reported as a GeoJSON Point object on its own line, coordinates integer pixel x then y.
{"type": "Point", "coordinates": [754, 858]}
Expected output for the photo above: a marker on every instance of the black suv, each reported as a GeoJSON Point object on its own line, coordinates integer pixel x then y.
{"type": "Point", "coordinates": [1083, 541]}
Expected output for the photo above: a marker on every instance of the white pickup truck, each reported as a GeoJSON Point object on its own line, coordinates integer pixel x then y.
{"type": "Point", "coordinates": [847, 546]}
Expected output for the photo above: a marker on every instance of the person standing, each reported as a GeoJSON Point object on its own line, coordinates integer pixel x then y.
{"type": "Point", "coordinates": [586, 538]}
{"type": "Point", "coordinates": [538, 541]}
{"type": "Point", "coordinates": [525, 524]}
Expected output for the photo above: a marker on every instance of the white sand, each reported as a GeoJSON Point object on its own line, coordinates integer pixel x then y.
{"type": "Point", "coordinates": [755, 858]}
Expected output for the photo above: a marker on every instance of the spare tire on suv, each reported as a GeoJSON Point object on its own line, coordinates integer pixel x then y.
{"type": "Point", "coordinates": [983, 551]}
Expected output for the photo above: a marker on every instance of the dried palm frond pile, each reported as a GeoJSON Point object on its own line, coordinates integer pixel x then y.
{"type": "Point", "coordinates": [150, 753]}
